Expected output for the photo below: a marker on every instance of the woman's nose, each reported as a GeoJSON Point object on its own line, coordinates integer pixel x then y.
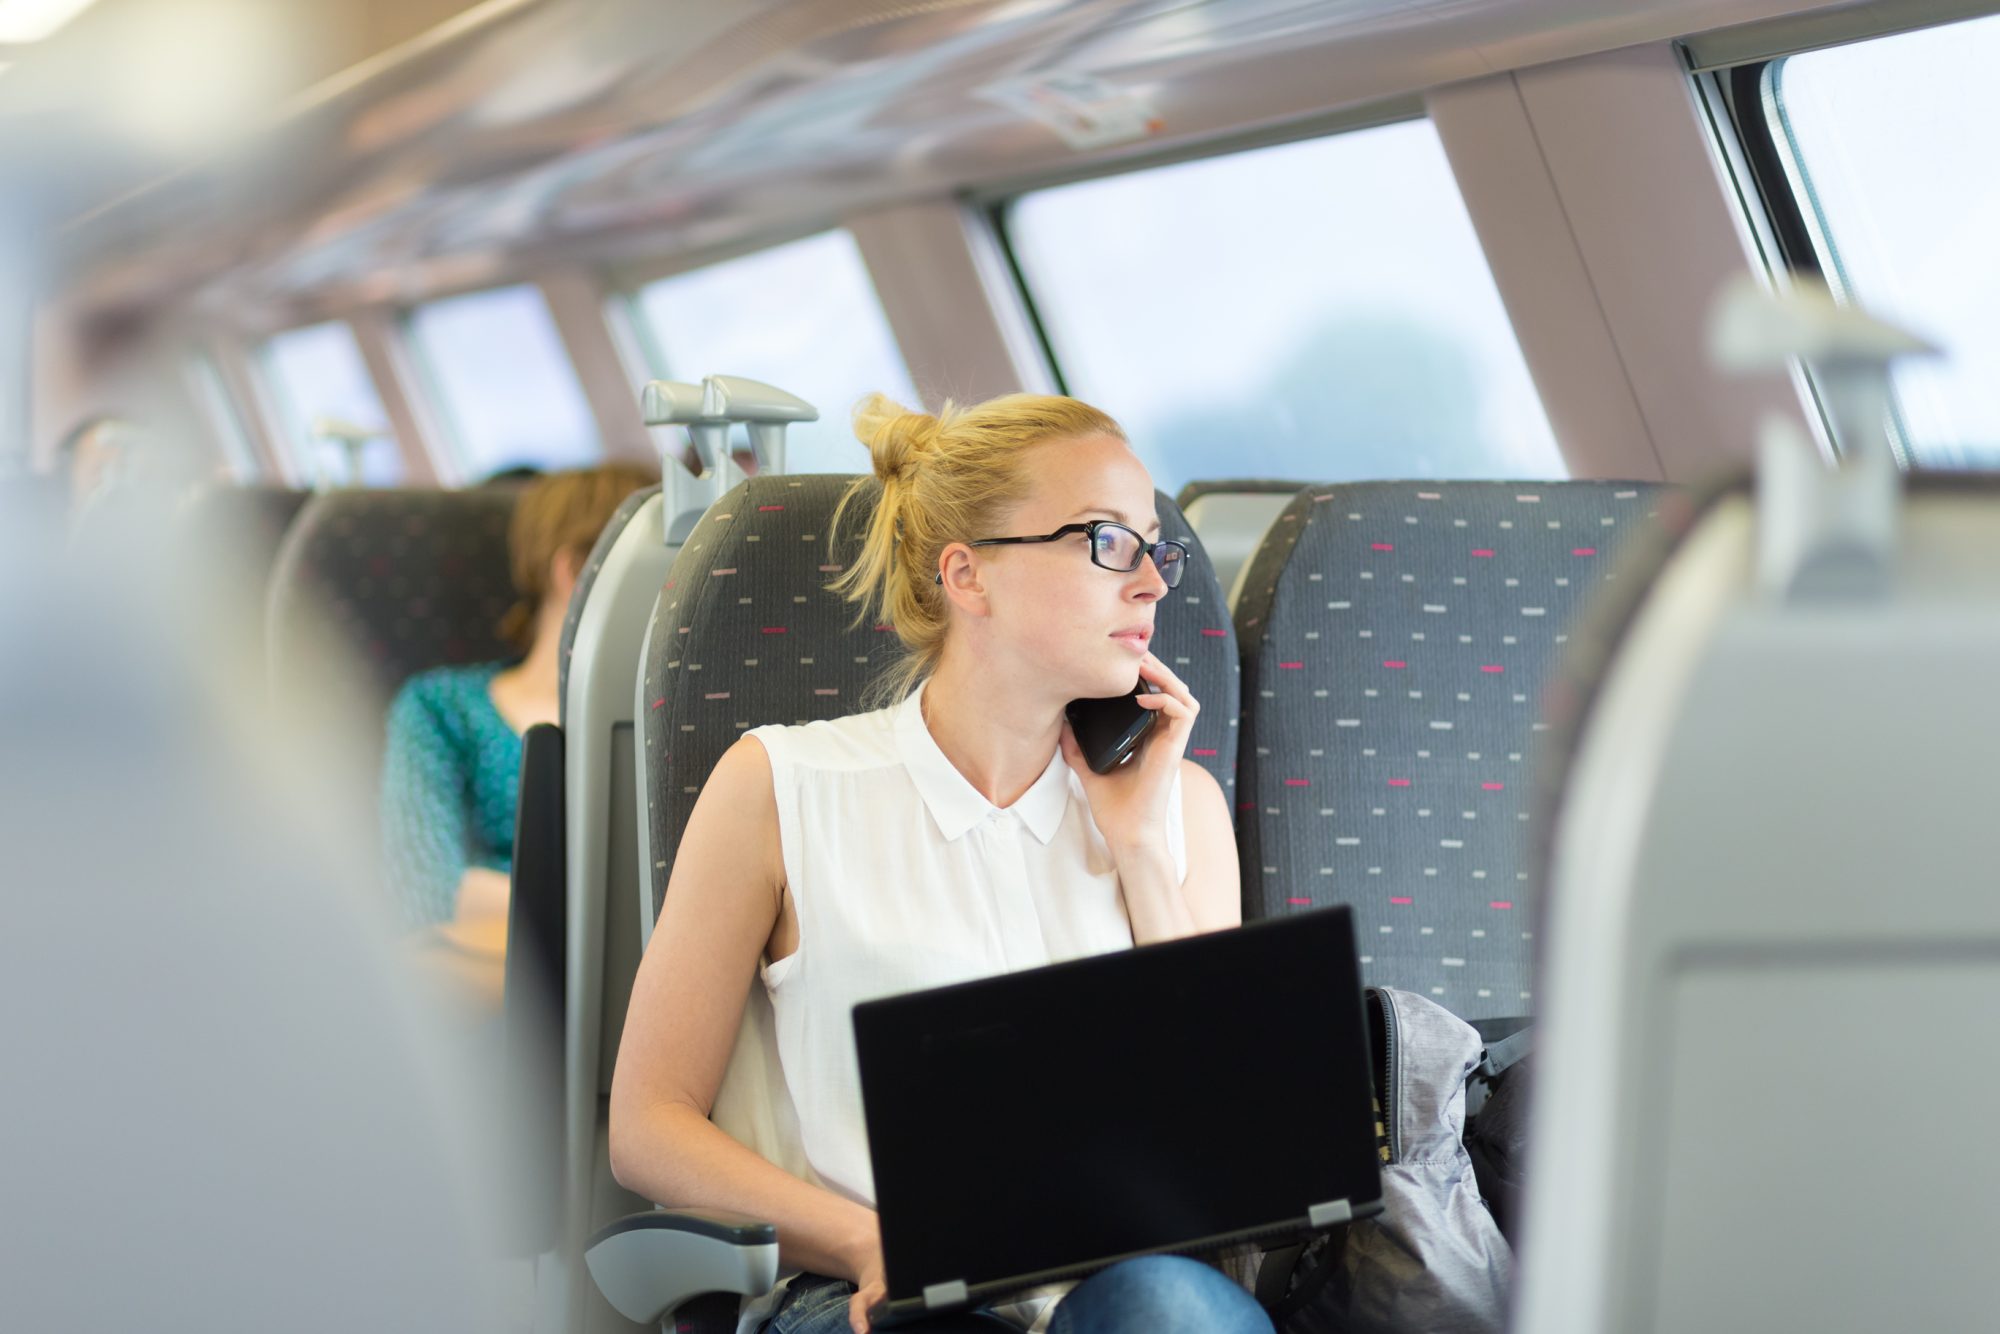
{"type": "Point", "coordinates": [1147, 582]}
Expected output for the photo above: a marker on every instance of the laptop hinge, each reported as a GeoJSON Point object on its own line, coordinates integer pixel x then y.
{"type": "Point", "coordinates": [953, 1293]}
{"type": "Point", "coordinates": [1327, 1215]}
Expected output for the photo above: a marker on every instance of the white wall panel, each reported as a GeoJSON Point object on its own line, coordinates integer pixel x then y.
{"type": "Point", "coordinates": [1640, 203]}
{"type": "Point", "coordinates": [955, 310]}
{"type": "Point", "coordinates": [1543, 279]}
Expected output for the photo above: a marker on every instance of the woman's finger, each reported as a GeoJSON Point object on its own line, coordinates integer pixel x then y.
{"type": "Point", "coordinates": [1163, 679]}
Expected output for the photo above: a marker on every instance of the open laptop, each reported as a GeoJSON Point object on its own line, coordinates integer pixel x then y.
{"type": "Point", "coordinates": [1187, 1096]}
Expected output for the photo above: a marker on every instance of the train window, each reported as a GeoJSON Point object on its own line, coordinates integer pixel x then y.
{"type": "Point", "coordinates": [1885, 138]}
{"type": "Point", "coordinates": [802, 316]}
{"type": "Point", "coordinates": [499, 371]}
{"type": "Point", "coordinates": [1317, 310]}
{"type": "Point", "coordinates": [219, 411]}
{"type": "Point", "coordinates": [335, 430]}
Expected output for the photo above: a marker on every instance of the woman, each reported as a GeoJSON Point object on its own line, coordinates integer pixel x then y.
{"type": "Point", "coordinates": [956, 834]}
{"type": "Point", "coordinates": [452, 769]}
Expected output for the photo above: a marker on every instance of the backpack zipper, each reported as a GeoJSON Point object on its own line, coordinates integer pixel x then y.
{"type": "Point", "coordinates": [1388, 1068]}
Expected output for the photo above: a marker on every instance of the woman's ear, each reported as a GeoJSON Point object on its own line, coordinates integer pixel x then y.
{"type": "Point", "coordinates": [564, 569]}
{"type": "Point", "coordinates": [959, 574]}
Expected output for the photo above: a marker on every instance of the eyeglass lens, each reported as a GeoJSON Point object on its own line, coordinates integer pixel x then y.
{"type": "Point", "coordinates": [1119, 548]}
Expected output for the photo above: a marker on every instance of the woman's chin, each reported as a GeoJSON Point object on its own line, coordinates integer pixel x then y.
{"type": "Point", "coordinates": [1116, 680]}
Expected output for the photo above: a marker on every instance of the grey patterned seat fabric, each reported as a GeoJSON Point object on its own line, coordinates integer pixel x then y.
{"type": "Point", "coordinates": [1397, 637]}
{"type": "Point", "coordinates": [746, 634]}
{"type": "Point", "coordinates": [409, 580]}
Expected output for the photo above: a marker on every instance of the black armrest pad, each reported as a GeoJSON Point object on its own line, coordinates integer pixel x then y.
{"type": "Point", "coordinates": [716, 1224]}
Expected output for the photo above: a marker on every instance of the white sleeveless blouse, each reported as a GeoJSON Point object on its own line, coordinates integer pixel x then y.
{"type": "Point", "coordinates": [904, 877]}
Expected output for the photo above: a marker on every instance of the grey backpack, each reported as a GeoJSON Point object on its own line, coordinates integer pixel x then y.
{"type": "Point", "coordinates": [1433, 1261]}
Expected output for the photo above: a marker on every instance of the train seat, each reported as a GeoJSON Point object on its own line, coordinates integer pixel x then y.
{"type": "Point", "coordinates": [243, 528]}
{"type": "Point", "coordinates": [253, 519]}
{"type": "Point", "coordinates": [401, 581]}
{"type": "Point", "coordinates": [1231, 518]}
{"type": "Point", "coordinates": [747, 633]}
{"type": "Point", "coordinates": [1769, 965]}
{"type": "Point", "coordinates": [181, 919]}
{"type": "Point", "coordinates": [1396, 639]}
{"type": "Point", "coordinates": [586, 917]}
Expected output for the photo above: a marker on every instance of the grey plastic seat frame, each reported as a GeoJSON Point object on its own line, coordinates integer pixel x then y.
{"type": "Point", "coordinates": [1772, 947]}
{"type": "Point", "coordinates": [1772, 950]}
{"type": "Point", "coordinates": [602, 856]}
{"type": "Point", "coordinates": [602, 675]}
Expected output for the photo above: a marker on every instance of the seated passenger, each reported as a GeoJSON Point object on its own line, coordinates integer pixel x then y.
{"type": "Point", "coordinates": [452, 769]}
{"type": "Point", "coordinates": [92, 452]}
{"type": "Point", "coordinates": [955, 834]}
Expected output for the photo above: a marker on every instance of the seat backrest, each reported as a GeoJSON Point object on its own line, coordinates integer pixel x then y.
{"type": "Point", "coordinates": [1771, 888]}
{"type": "Point", "coordinates": [1396, 639]}
{"type": "Point", "coordinates": [244, 526]}
{"type": "Point", "coordinates": [603, 639]}
{"type": "Point", "coordinates": [253, 519]}
{"type": "Point", "coordinates": [586, 580]}
{"type": "Point", "coordinates": [1231, 517]}
{"type": "Point", "coordinates": [747, 633]}
{"type": "Point", "coordinates": [403, 580]}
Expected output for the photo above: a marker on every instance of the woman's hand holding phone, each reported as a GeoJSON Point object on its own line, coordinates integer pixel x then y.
{"type": "Point", "coordinates": [1129, 804]}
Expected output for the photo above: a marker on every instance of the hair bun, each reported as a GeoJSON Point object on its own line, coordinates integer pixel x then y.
{"type": "Point", "coordinates": [895, 436]}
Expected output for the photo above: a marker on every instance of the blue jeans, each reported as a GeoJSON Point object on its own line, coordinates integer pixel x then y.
{"type": "Point", "coordinates": [1156, 1294]}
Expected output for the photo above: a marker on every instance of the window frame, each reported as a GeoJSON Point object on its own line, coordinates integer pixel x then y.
{"type": "Point", "coordinates": [1751, 96]}
{"type": "Point", "coordinates": [636, 337]}
{"type": "Point", "coordinates": [627, 280]}
{"type": "Point", "coordinates": [625, 287]}
{"type": "Point", "coordinates": [992, 205]}
{"type": "Point", "coordinates": [295, 460]}
{"type": "Point", "coordinates": [434, 405]}
{"type": "Point", "coordinates": [224, 416]}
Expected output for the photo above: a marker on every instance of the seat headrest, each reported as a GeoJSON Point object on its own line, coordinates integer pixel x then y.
{"type": "Point", "coordinates": [1397, 639]}
{"type": "Point", "coordinates": [406, 580]}
{"type": "Point", "coordinates": [254, 517]}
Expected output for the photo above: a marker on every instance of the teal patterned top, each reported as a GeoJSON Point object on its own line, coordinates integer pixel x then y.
{"type": "Point", "coordinates": [449, 780]}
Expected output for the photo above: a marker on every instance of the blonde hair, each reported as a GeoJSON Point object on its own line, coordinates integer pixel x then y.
{"type": "Point", "coordinates": [945, 478]}
{"type": "Point", "coordinates": [563, 511]}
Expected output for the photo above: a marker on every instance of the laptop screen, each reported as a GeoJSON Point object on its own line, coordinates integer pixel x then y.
{"type": "Point", "coordinates": [1063, 1116]}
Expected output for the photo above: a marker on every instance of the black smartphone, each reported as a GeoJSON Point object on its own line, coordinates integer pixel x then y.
{"type": "Point", "coordinates": [1109, 729]}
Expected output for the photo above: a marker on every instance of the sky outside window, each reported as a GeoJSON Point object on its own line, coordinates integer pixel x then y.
{"type": "Point", "coordinates": [320, 379]}
{"type": "Point", "coordinates": [803, 317]}
{"type": "Point", "coordinates": [1897, 139]}
{"type": "Point", "coordinates": [1317, 310]}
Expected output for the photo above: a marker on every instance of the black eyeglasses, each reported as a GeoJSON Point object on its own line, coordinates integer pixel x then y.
{"type": "Point", "coordinates": [1113, 547]}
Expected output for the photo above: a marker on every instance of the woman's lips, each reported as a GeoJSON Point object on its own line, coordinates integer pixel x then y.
{"type": "Point", "coordinates": [1136, 640]}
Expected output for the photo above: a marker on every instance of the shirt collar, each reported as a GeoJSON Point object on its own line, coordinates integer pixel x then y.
{"type": "Point", "coordinates": [954, 803]}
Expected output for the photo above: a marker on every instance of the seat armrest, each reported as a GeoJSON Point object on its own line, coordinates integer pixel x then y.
{"type": "Point", "coordinates": [532, 990]}
{"type": "Point", "coordinates": [648, 1264]}
{"type": "Point", "coordinates": [537, 905]}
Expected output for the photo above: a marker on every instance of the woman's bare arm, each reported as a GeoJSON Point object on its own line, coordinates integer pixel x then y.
{"type": "Point", "coordinates": [722, 905]}
{"type": "Point", "coordinates": [1214, 884]}
{"type": "Point", "coordinates": [481, 895]}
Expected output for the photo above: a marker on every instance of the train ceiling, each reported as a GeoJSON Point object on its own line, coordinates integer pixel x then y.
{"type": "Point", "coordinates": [518, 132]}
